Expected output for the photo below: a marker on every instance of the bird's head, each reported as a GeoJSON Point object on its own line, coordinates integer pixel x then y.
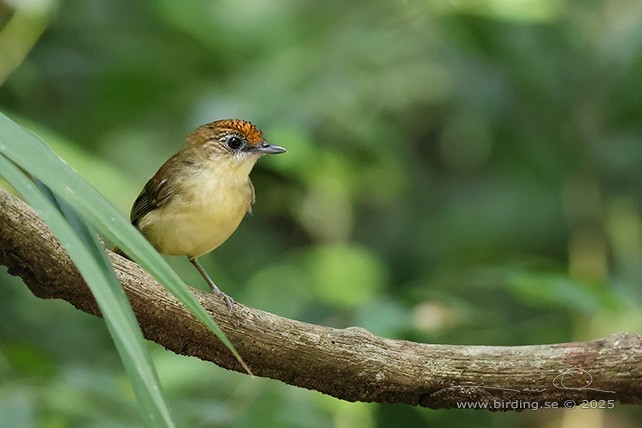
{"type": "Point", "coordinates": [231, 142]}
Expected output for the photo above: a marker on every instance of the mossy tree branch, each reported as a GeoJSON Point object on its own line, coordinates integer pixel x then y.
{"type": "Point", "coordinates": [351, 364]}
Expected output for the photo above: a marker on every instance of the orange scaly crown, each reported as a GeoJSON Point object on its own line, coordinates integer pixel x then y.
{"type": "Point", "coordinates": [252, 135]}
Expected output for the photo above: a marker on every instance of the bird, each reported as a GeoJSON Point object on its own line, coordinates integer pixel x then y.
{"type": "Point", "coordinates": [199, 196]}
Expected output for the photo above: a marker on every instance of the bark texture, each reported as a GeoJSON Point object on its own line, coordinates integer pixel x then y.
{"type": "Point", "coordinates": [351, 364]}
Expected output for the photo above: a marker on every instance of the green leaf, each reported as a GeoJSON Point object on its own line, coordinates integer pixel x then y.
{"type": "Point", "coordinates": [92, 262]}
{"type": "Point", "coordinates": [29, 152]}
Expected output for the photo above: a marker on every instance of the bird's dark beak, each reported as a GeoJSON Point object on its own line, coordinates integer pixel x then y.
{"type": "Point", "coordinates": [269, 149]}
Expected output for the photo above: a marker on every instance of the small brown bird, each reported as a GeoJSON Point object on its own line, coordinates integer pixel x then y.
{"type": "Point", "coordinates": [199, 196]}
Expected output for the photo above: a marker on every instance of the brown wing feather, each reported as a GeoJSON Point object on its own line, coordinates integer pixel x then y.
{"type": "Point", "coordinates": [154, 195]}
{"type": "Point", "coordinates": [252, 199]}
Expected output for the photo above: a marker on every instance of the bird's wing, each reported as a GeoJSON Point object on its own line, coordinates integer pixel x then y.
{"type": "Point", "coordinates": [154, 195]}
{"type": "Point", "coordinates": [252, 198]}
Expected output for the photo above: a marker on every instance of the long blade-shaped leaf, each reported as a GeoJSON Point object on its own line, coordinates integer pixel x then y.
{"type": "Point", "coordinates": [29, 152]}
{"type": "Point", "coordinates": [93, 264]}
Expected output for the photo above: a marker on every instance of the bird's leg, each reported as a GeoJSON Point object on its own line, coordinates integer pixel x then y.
{"type": "Point", "coordinates": [215, 289]}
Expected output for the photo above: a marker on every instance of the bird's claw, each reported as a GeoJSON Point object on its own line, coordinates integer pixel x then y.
{"type": "Point", "coordinates": [227, 299]}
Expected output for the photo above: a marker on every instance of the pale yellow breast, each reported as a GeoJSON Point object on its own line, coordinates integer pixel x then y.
{"type": "Point", "coordinates": [201, 216]}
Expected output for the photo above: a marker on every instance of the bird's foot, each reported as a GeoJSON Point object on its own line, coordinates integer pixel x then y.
{"type": "Point", "coordinates": [215, 289]}
{"type": "Point", "coordinates": [228, 300]}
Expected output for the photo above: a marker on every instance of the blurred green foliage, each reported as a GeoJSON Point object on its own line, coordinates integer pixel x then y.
{"type": "Point", "coordinates": [458, 172]}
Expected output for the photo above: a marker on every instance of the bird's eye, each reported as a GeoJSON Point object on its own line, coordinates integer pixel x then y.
{"type": "Point", "coordinates": [234, 142]}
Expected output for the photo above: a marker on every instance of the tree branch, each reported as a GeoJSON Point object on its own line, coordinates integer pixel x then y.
{"type": "Point", "coordinates": [351, 364]}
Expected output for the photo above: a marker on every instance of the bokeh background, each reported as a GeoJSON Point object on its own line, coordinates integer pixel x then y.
{"type": "Point", "coordinates": [462, 172]}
